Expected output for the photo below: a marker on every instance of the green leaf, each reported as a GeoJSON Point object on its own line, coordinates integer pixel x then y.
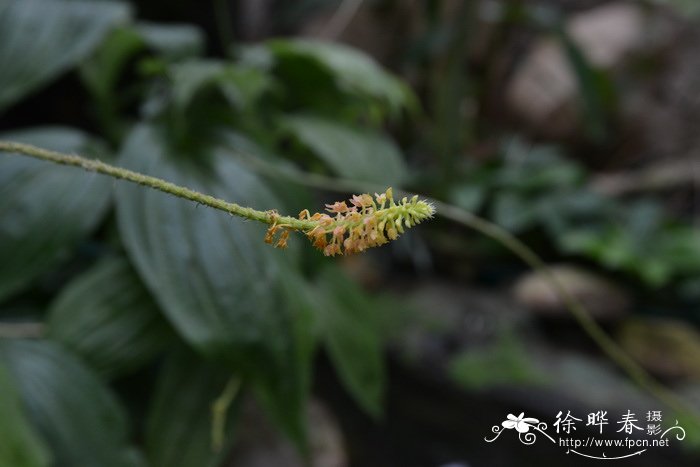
{"type": "Point", "coordinates": [595, 87]}
{"type": "Point", "coordinates": [500, 364]}
{"type": "Point", "coordinates": [173, 41]}
{"type": "Point", "coordinates": [352, 70]}
{"type": "Point", "coordinates": [190, 77]}
{"type": "Point", "coordinates": [468, 197]}
{"type": "Point", "coordinates": [353, 153]}
{"type": "Point", "coordinates": [108, 318]}
{"type": "Point", "coordinates": [102, 70]}
{"type": "Point", "coordinates": [351, 333]}
{"type": "Point", "coordinates": [179, 421]}
{"type": "Point", "coordinates": [43, 38]}
{"type": "Point", "coordinates": [240, 85]}
{"type": "Point", "coordinates": [20, 445]}
{"type": "Point", "coordinates": [45, 209]}
{"type": "Point", "coordinates": [212, 274]}
{"type": "Point", "coordinates": [680, 246]}
{"type": "Point", "coordinates": [537, 169]}
{"type": "Point", "coordinates": [286, 403]}
{"type": "Point", "coordinates": [77, 415]}
{"type": "Point", "coordinates": [512, 212]}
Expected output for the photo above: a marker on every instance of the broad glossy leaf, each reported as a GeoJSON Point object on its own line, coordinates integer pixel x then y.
{"type": "Point", "coordinates": [107, 317]}
{"type": "Point", "coordinates": [179, 422]}
{"type": "Point", "coordinates": [77, 415]}
{"type": "Point", "coordinates": [190, 77]}
{"type": "Point", "coordinates": [350, 330]}
{"type": "Point", "coordinates": [212, 274]}
{"type": "Point", "coordinates": [45, 209]}
{"type": "Point", "coordinates": [43, 38]}
{"type": "Point", "coordinates": [286, 401]}
{"type": "Point", "coordinates": [240, 85]}
{"type": "Point", "coordinates": [20, 446]}
{"type": "Point", "coordinates": [351, 69]}
{"type": "Point", "coordinates": [353, 153]}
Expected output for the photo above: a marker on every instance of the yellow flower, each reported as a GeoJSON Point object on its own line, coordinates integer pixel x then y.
{"type": "Point", "coordinates": [373, 225]}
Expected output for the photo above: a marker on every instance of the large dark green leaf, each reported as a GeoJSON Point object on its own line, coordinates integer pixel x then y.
{"type": "Point", "coordinates": [286, 401]}
{"type": "Point", "coordinates": [352, 70]}
{"type": "Point", "coordinates": [101, 71]}
{"type": "Point", "coordinates": [108, 318]}
{"type": "Point", "coordinates": [240, 85]}
{"type": "Point", "coordinates": [77, 415]}
{"type": "Point", "coordinates": [43, 38]}
{"type": "Point", "coordinates": [352, 153]}
{"type": "Point", "coordinates": [350, 331]}
{"type": "Point", "coordinates": [20, 445]}
{"type": "Point", "coordinates": [212, 274]}
{"type": "Point", "coordinates": [179, 423]}
{"type": "Point", "coordinates": [44, 208]}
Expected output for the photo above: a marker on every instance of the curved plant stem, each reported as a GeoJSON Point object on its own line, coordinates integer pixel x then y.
{"type": "Point", "coordinates": [609, 347]}
{"type": "Point", "coordinates": [635, 372]}
{"type": "Point", "coordinates": [91, 165]}
{"type": "Point", "coordinates": [219, 410]}
{"type": "Point", "coordinates": [604, 342]}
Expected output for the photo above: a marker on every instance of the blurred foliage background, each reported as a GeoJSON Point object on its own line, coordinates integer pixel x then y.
{"type": "Point", "coordinates": [137, 329]}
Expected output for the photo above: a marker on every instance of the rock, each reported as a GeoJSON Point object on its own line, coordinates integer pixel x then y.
{"type": "Point", "coordinates": [660, 112]}
{"type": "Point", "coordinates": [610, 33]}
{"type": "Point", "coordinates": [601, 298]}
{"type": "Point", "coordinates": [667, 348]}
{"type": "Point", "coordinates": [544, 89]}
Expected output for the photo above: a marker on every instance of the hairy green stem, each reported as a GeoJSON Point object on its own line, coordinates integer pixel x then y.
{"type": "Point", "coordinates": [92, 165]}
{"type": "Point", "coordinates": [606, 344]}
{"type": "Point", "coordinates": [609, 347]}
